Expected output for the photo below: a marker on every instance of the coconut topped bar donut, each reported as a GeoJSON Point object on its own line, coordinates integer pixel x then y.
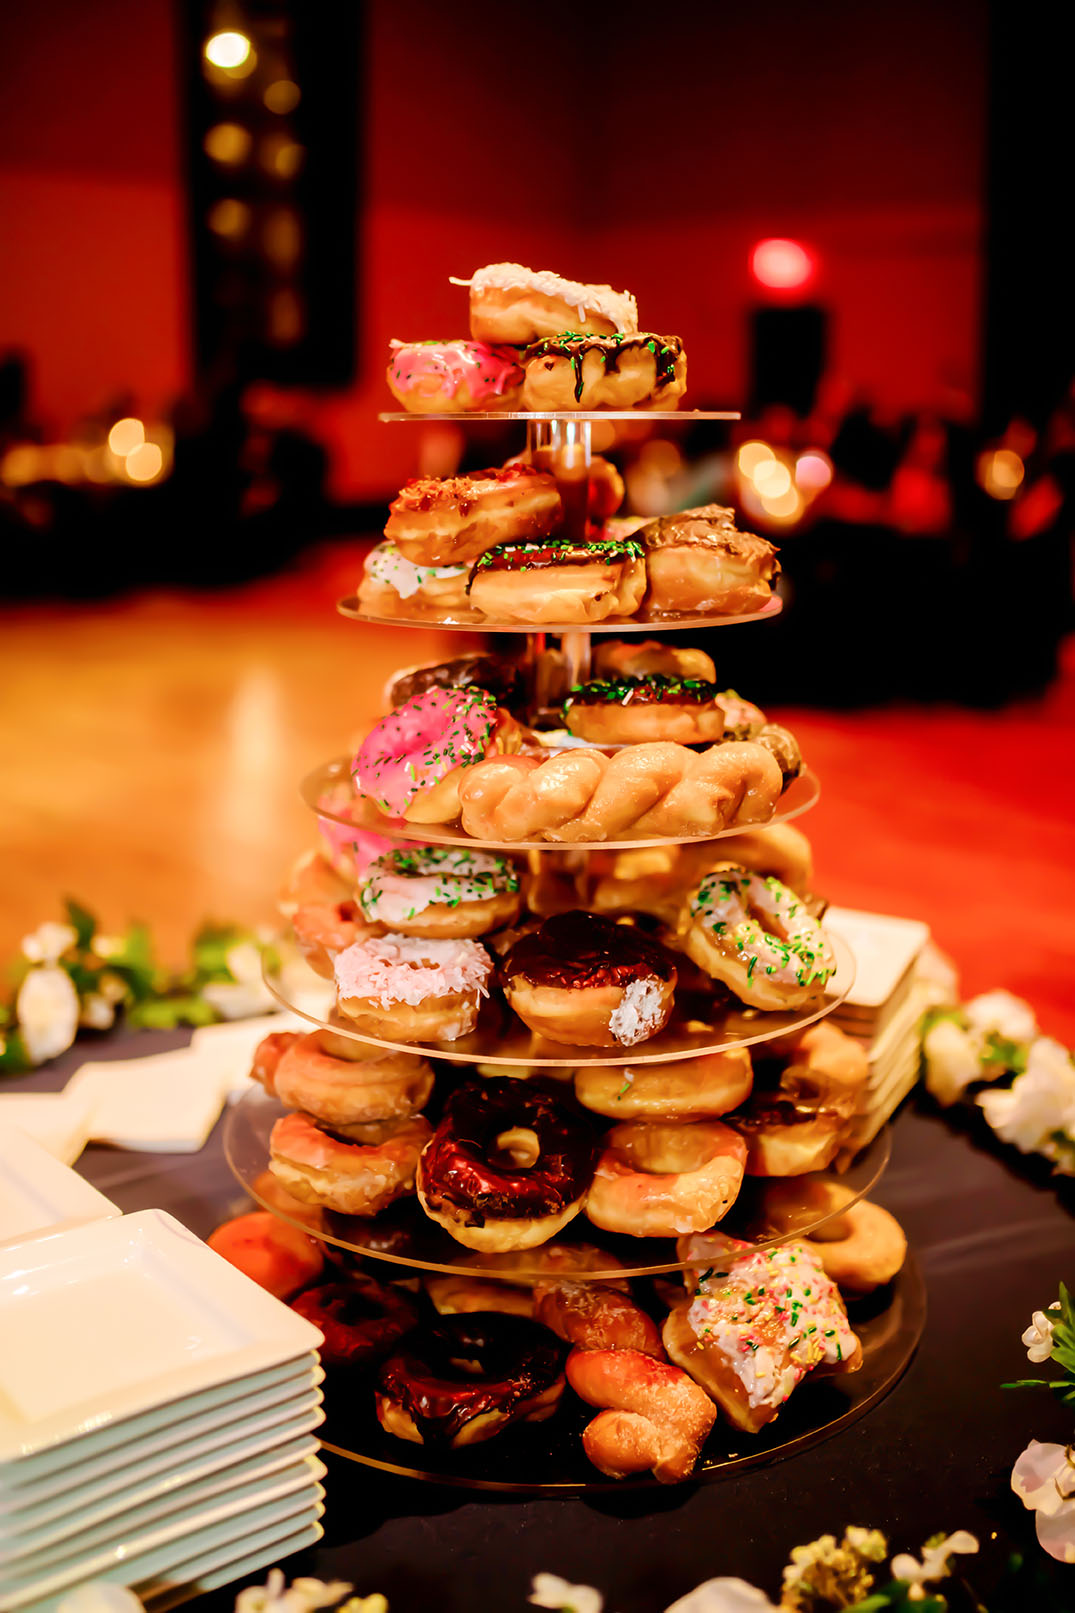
{"type": "Point", "coordinates": [583, 979]}
{"type": "Point", "coordinates": [511, 303]}
{"type": "Point", "coordinates": [441, 891]}
{"type": "Point", "coordinates": [574, 371]}
{"type": "Point", "coordinates": [411, 762]}
{"type": "Point", "coordinates": [453, 377]}
{"type": "Point", "coordinates": [444, 520]}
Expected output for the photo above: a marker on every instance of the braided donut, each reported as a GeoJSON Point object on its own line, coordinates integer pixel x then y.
{"type": "Point", "coordinates": [656, 789]}
{"type": "Point", "coordinates": [759, 938]}
{"type": "Point", "coordinates": [596, 1317]}
{"type": "Point", "coordinates": [655, 1416]}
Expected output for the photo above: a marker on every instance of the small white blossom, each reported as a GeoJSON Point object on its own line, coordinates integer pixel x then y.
{"type": "Point", "coordinates": [724, 1596]}
{"type": "Point", "coordinates": [1038, 1103]}
{"type": "Point", "coordinates": [1044, 1480]}
{"type": "Point", "coordinates": [870, 1544]}
{"type": "Point", "coordinates": [303, 1596]}
{"type": "Point", "coordinates": [106, 946]}
{"type": "Point", "coordinates": [549, 1590]}
{"type": "Point", "coordinates": [47, 1009]}
{"type": "Point", "coordinates": [1038, 1338]}
{"type": "Point", "coordinates": [98, 1014]}
{"type": "Point", "coordinates": [246, 993]}
{"type": "Point", "coordinates": [998, 1013]}
{"type": "Point", "coordinates": [48, 942]}
{"type": "Point", "coordinates": [934, 1564]}
{"type": "Point", "coordinates": [952, 1060]}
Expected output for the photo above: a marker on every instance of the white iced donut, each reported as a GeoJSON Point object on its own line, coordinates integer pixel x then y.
{"type": "Point", "coordinates": [393, 585]}
{"type": "Point", "coordinates": [403, 988]}
{"type": "Point", "coordinates": [511, 303]}
{"type": "Point", "coordinates": [441, 891]}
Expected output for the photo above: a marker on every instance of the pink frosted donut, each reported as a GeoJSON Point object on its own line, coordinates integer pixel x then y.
{"type": "Point", "coordinates": [453, 377]}
{"type": "Point", "coordinates": [406, 988]}
{"type": "Point", "coordinates": [350, 851]}
{"type": "Point", "coordinates": [411, 762]}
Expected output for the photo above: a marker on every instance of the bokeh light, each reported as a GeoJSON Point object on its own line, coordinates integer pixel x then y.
{"type": "Point", "coordinates": [228, 143]}
{"type": "Point", "coordinates": [813, 471]}
{"type": "Point", "coordinates": [228, 50]}
{"type": "Point", "coordinates": [229, 217]}
{"type": "Point", "coordinates": [751, 455]}
{"type": "Point", "coordinates": [780, 264]}
{"type": "Point", "coordinates": [772, 479]}
{"type": "Point", "coordinates": [126, 435]}
{"type": "Point", "coordinates": [1000, 472]}
{"type": "Point", "coordinates": [144, 463]}
{"type": "Point", "coordinates": [282, 96]}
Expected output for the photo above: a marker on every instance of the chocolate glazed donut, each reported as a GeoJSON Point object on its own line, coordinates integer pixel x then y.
{"type": "Point", "coordinates": [466, 1377]}
{"type": "Point", "coordinates": [361, 1319]}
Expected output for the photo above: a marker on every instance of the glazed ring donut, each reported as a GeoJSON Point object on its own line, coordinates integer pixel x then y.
{"type": "Point", "coordinates": [507, 1167]}
{"type": "Point", "coordinates": [798, 1116]}
{"type": "Point", "coordinates": [861, 1248]}
{"type": "Point", "coordinates": [575, 371]}
{"type": "Point", "coordinates": [656, 1418]}
{"type": "Point", "coordinates": [699, 563]}
{"type": "Point", "coordinates": [594, 1317]}
{"type": "Point", "coordinates": [346, 1092]}
{"type": "Point", "coordinates": [466, 1377]}
{"type": "Point", "coordinates": [442, 521]}
{"type": "Point", "coordinates": [358, 1172]}
{"type": "Point", "coordinates": [325, 929]}
{"type": "Point", "coordinates": [460, 1296]}
{"type": "Point", "coordinates": [758, 937]}
{"type": "Point", "coordinates": [412, 762]}
{"type": "Point", "coordinates": [402, 988]}
{"type": "Point", "coordinates": [628, 658]}
{"type": "Point", "coordinates": [583, 980]}
{"type": "Point", "coordinates": [361, 1320]}
{"type": "Point", "coordinates": [511, 303]}
{"type": "Point", "coordinates": [559, 580]}
{"type": "Point", "coordinates": [440, 891]}
{"type": "Point", "coordinates": [683, 1089]}
{"type": "Point", "coordinates": [662, 1179]}
{"type": "Point", "coordinates": [633, 711]}
{"type": "Point", "coordinates": [392, 585]}
{"type": "Point", "coordinates": [453, 377]}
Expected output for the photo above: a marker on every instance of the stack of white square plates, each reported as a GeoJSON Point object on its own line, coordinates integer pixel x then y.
{"type": "Point", "coordinates": [157, 1415]}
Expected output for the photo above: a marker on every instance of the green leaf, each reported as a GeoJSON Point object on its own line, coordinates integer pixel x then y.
{"type": "Point", "coordinates": [1029, 1383]}
{"type": "Point", "coordinates": [166, 1013]}
{"type": "Point", "coordinates": [1002, 1054]}
{"type": "Point", "coordinates": [14, 1057]}
{"type": "Point", "coordinates": [211, 946]}
{"type": "Point", "coordinates": [81, 920]}
{"type": "Point", "coordinates": [84, 980]}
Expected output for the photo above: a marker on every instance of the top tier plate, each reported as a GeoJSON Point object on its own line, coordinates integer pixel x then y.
{"type": "Point", "coordinates": [473, 622]}
{"type": "Point", "coordinates": [393, 416]}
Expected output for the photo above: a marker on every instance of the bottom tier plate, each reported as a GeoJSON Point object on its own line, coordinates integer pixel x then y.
{"type": "Point", "coordinates": [547, 1458]}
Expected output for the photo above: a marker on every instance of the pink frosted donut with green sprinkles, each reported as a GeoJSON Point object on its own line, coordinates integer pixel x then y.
{"type": "Point", "coordinates": [410, 761]}
{"type": "Point", "coordinates": [453, 377]}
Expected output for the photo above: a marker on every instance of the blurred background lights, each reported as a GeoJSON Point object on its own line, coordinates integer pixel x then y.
{"type": "Point", "coordinates": [785, 506]}
{"type": "Point", "coordinates": [772, 479]}
{"type": "Point", "coordinates": [751, 455]}
{"type": "Point", "coordinates": [780, 264]}
{"type": "Point", "coordinates": [282, 96]}
{"type": "Point", "coordinates": [228, 143]}
{"type": "Point", "coordinates": [144, 463]}
{"type": "Point", "coordinates": [228, 50]}
{"type": "Point", "coordinates": [126, 435]}
{"type": "Point", "coordinates": [1001, 472]}
{"type": "Point", "coordinates": [813, 471]}
{"type": "Point", "coordinates": [229, 217]}
{"type": "Point", "coordinates": [281, 156]}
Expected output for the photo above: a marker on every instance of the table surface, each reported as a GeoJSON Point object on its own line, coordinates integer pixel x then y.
{"type": "Point", "coordinates": [994, 1235]}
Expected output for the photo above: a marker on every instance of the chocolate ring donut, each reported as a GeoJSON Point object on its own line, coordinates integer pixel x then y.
{"type": "Point", "coordinates": [362, 1320]}
{"type": "Point", "coordinates": [507, 1166]}
{"type": "Point", "coordinates": [479, 670]}
{"type": "Point", "coordinates": [466, 1377]}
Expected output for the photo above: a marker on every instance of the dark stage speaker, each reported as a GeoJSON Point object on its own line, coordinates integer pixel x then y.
{"type": "Point", "coordinates": [787, 356]}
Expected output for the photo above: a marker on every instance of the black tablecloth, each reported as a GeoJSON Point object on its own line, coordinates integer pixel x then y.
{"type": "Point", "coordinates": [994, 1236]}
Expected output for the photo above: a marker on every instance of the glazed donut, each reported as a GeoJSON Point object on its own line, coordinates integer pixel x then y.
{"type": "Point", "coordinates": [554, 1260]}
{"type": "Point", "coordinates": [757, 937]}
{"type": "Point", "coordinates": [392, 585]}
{"type": "Point", "coordinates": [750, 1331]}
{"type": "Point", "coordinates": [361, 1320]}
{"type": "Point", "coordinates": [633, 711]}
{"type": "Point", "coordinates": [271, 1195]}
{"type": "Point", "coordinates": [346, 1092]}
{"type": "Point", "coordinates": [495, 674]}
{"type": "Point", "coordinates": [312, 882]}
{"type": "Point", "coordinates": [507, 1167]}
{"type": "Point", "coordinates": [655, 1418]}
{"type": "Point", "coordinates": [514, 304]}
{"type": "Point", "coordinates": [861, 1247]}
{"type": "Point", "coordinates": [631, 658]}
{"type": "Point", "coordinates": [442, 521]}
{"type": "Point", "coordinates": [662, 1179]}
{"type": "Point", "coordinates": [642, 790]}
{"type": "Point", "coordinates": [466, 1377]}
{"type": "Point", "coordinates": [595, 1317]}
{"type": "Point", "coordinates": [574, 371]}
{"type": "Point", "coordinates": [453, 377]}
{"type": "Point", "coordinates": [460, 1296]}
{"type": "Point", "coordinates": [412, 762]}
{"type": "Point", "coordinates": [441, 891]}
{"type": "Point", "coordinates": [801, 1110]}
{"type": "Point", "coordinates": [589, 493]}
{"type": "Point", "coordinates": [271, 1252]}
{"type": "Point", "coordinates": [581, 979]}
{"type": "Point", "coordinates": [402, 988]}
{"type": "Point", "coordinates": [358, 1172]}
{"type": "Point", "coordinates": [267, 1055]}
{"type": "Point", "coordinates": [683, 1089]}
{"type": "Point", "coordinates": [698, 562]}
{"type": "Point", "coordinates": [559, 580]}
{"type": "Point", "coordinates": [325, 929]}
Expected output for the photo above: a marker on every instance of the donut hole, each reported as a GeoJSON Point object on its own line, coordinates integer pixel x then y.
{"type": "Point", "coordinates": [518, 1148]}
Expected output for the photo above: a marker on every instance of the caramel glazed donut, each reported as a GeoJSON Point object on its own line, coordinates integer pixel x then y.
{"type": "Point", "coordinates": [444, 522]}
{"type": "Point", "coordinates": [341, 1092]}
{"type": "Point", "coordinates": [697, 561]}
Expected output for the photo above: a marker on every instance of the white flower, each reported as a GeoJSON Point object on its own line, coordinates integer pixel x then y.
{"type": "Point", "coordinates": [48, 942]}
{"type": "Point", "coordinates": [549, 1590]}
{"type": "Point", "coordinates": [998, 1013]}
{"type": "Point", "coordinates": [724, 1596]}
{"type": "Point", "coordinates": [934, 1564]}
{"type": "Point", "coordinates": [303, 1596]}
{"type": "Point", "coordinates": [870, 1544]}
{"type": "Point", "coordinates": [1038, 1338]}
{"type": "Point", "coordinates": [1044, 1480]}
{"type": "Point", "coordinates": [106, 946]}
{"type": "Point", "coordinates": [1038, 1102]}
{"type": "Point", "coordinates": [952, 1060]}
{"type": "Point", "coordinates": [98, 1014]}
{"type": "Point", "coordinates": [99, 1596]}
{"type": "Point", "coordinates": [246, 993]}
{"type": "Point", "coordinates": [47, 1010]}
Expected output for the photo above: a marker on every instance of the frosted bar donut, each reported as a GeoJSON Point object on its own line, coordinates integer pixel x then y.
{"type": "Point", "coordinates": [403, 988]}
{"type": "Point", "coordinates": [392, 585]}
{"type": "Point", "coordinates": [698, 562]}
{"type": "Point", "coordinates": [511, 303]}
{"type": "Point", "coordinates": [667, 1178]}
{"type": "Point", "coordinates": [357, 1174]}
{"type": "Point", "coordinates": [558, 580]}
{"type": "Point", "coordinates": [759, 938]}
{"type": "Point", "coordinates": [441, 521]}
{"type": "Point", "coordinates": [413, 760]}
{"type": "Point", "coordinates": [441, 891]}
{"type": "Point", "coordinates": [454, 377]}
{"type": "Point", "coordinates": [575, 371]}
{"type": "Point", "coordinates": [682, 1089]}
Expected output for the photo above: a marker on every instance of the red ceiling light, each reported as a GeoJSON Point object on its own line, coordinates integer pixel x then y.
{"type": "Point", "coordinates": [781, 265]}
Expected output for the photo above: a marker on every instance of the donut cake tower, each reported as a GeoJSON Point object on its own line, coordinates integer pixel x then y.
{"type": "Point", "coordinates": [575, 1109]}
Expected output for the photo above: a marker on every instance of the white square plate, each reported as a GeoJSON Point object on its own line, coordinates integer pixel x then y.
{"type": "Point", "coordinates": [58, 1121]}
{"type": "Point", "coordinates": [157, 1316]}
{"type": "Point", "coordinates": [210, 1571]}
{"type": "Point", "coordinates": [166, 1102]}
{"type": "Point", "coordinates": [884, 950]}
{"type": "Point", "coordinates": [38, 1192]}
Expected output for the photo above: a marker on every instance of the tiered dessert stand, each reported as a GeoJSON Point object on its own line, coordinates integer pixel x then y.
{"type": "Point", "coordinates": [401, 1242]}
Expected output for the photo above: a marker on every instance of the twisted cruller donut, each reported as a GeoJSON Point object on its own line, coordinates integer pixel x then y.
{"type": "Point", "coordinates": [439, 891]}
{"type": "Point", "coordinates": [758, 937]}
{"type": "Point", "coordinates": [656, 1417]}
{"type": "Point", "coordinates": [575, 371]}
{"type": "Point", "coordinates": [861, 1248]}
{"type": "Point", "coordinates": [413, 761]}
{"type": "Point", "coordinates": [800, 1112]}
{"type": "Point", "coordinates": [683, 1089]}
{"type": "Point", "coordinates": [584, 795]}
{"type": "Point", "coordinates": [595, 1317]}
{"type": "Point", "coordinates": [663, 1179]}
{"type": "Point", "coordinates": [358, 1172]}
{"type": "Point", "coordinates": [404, 988]}
{"type": "Point", "coordinates": [511, 303]}
{"type": "Point", "coordinates": [339, 1091]}
{"type": "Point", "coordinates": [453, 377]}
{"type": "Point", "coordinates": [441, 521]}
{"type": "Point", "coordinates": [392, 585]}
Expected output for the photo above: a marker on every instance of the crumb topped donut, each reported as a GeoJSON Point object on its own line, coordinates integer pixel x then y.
{"type": "Point", "coordinates": [441, 891]}
{"type": "Point", "coordinates": [511, 303]}
{"type": "Point", "coordinates": [559, 579]}
{"type": "Point", "coordinates": [699, 562]}
{"type": "Point", "coordinates": [453, 377]}
{"type": "Point", "coordinates": [572, 370]}
{"type": "Point", "coordinates": [442, 521]}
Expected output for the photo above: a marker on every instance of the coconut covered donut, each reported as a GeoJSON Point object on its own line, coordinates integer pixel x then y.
{"type": "Point", "coordinates": [392, 585]}
{"type": "Point", "coordinates": [435, 521]}
{"type": "Point", "coordinates": [453, 377]}
{"type": "Point", "coordinates": [405, 988]}
{"type": "Point", "coordinates": [803, 1103]}
{"type": "Point", "coordinates": [666, 1178]}
{"type": "Point", "coordinates": [758, 937]}
{"type": "Point", "coordinates": [572, 370]}
{"type": "Point", "coordinates": [699, 563]}
{"type": "Point", "coordinates": [357, 1172]}
{"type": "Point", "coordinates": [341, 1091]}
{"type": "Point", "coordinates": [413, 761]}
{"type": "Point", "coordinates": [511, 303]}
{"type": "Point", "coordinates": [441, 891]}
{"type": "Point", "coordinates": [682, 1089]}
{"type": "Point", "coordinates": [559, 579]}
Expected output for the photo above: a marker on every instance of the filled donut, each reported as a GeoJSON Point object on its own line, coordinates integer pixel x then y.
{"type": "Point", "coordinates": [511, 303]}
{"type": "Point", "coordinates": [681, 1089]}
{"type": "Point", "coordinates": [453, 377]}
{"type": "Point", "coordinates": [361, 1320]}
{"type": "Point", "coordinates": [413, 760]}
{"type": "Point", "coordinates": [405, 988]}
{"type": "Point", "coordinates": [392, 585]}
{"type": "Point", "coordinates": [803, 1103]}
{"type": "Point", "coordinates": [759, 938]}
{"type": "Point", "coordinates": [467, 1377]}
{"type": "Point", "coordinates": [357, 1172]}
{"type": "Point", "coordinates": [572, 370]}
{"type": "Point", "coordinates": [559, 580]}
{"type": "Point", "coordinates": [344, 1091]}
{"type": "Point", "coordinates": [699, 563]}
{"type": "Point", "coordinates": [665, 1178]}
{"type": "Point", "coordinates": [441, 891]}
{"type": "Point", "coordinates": [507, 1167]}
{"type": "Point", "coordinates": [583, 980]}
{"type": "Point", "coordinates": [496, 674]}
{"type": "Point", "coordinates": [435, 521]}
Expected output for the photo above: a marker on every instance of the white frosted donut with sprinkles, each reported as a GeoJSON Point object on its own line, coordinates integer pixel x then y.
{"type": "Point", "coordinates": [757, 936]}
{"type": "Point", "coordinates": [441, 891]}
{"type": "Point", "coordinates": [404, 988]}
{"type": "Point", "coordinates": [392, 585]}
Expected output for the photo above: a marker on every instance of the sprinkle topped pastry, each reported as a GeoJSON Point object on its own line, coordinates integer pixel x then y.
{"type": "Point", "coordinates": [419, 744]}
{"type": "Point", "coordinates": [555, 552]}
{"type": "Point", "coordinates": [402, 884]}
{"type": "Point", "coordinates": [758, 937]}
{"type": "Point", "coordinates": [634, 710]}
{"type": "Point", "coordinates": [511, 303]}
{"type": "Point", "coordinates": [452, 377]}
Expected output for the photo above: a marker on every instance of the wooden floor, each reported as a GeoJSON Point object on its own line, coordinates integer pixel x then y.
{"type": "Point", "coordinates": [151, 752]}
